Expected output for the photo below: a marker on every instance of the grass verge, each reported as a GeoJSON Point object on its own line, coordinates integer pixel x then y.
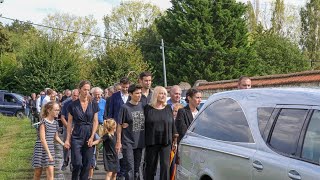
{"type": "Point", "coordinates": [17, 140]}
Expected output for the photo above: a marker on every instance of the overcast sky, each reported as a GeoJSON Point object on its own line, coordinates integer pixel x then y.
{"type": "Point", "coordinates": [36, 10]}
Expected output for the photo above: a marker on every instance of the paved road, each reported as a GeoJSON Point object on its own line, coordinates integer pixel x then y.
{"type": "Point", "coordinates": [66, 175]}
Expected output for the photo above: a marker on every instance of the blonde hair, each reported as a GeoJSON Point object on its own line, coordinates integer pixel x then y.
{"type": "Point", "coordinates": [109, 127]}
{"type": "Point", "coordinates": [47, 108]}
{"type": "Point", "coordinates": [154, 97]}
{"type": "Point", "coordinates": [177, 106]}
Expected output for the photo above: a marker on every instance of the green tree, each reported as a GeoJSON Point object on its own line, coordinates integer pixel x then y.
{"type": "Point", "coordinates": [251, 17]}
{"type": "Point", "coordinates": [310, 30]}
{"type": "Point", "coordinates": [22, 35]}
{"type": "Point", "coordinates": [69, 28]}
{"type": "Point", "coordinates": [282, 19]}
{"type": "Point", "coordinates": [206, 40]}
{"type": "Point", "coordinates": [278, 55]}
{"type": "Point", "coordinates": [118, 61]}
{"type": "Point", "coordinates": [5, 45]}
{"type": "Point", "coordinates": [48, 64]}
{"type": "Point", "coordinates": [75, 32]}
{"type": "Point", "coordinates": [149, 41]}
{"type": "Point", "coordinates": [8, 69]}
{"type": "Point", "coordinates": [77, 35]}
{"type": "Point", "coordinates": [13, 44]}
{"type": "Point", "coordinates": [128, 18]}
{"type": "Point", "coordinates": [278, 17]}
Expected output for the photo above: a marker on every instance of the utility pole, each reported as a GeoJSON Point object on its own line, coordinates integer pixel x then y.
{"type": "Point", "coordinates": [164, 64]}
{"type": "Point", "coordinates": [257, 7]}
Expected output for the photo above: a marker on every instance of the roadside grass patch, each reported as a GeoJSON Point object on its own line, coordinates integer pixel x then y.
{"type": "Point", "coordinates": [17, 140]}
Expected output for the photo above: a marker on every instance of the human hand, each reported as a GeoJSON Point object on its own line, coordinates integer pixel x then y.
{"type": "Point", "coordinates": [125, 125]}
{"type": "Point", "coordinates": [118, 147]}
{"type": "Point", "coordinates": [90, 141]}
{"type": "Point", "coordinates": [50, 158]}
{"type": "Point", "coordinates": [174, 147]}
{"type": "Point", "coordinates": [67, 145]}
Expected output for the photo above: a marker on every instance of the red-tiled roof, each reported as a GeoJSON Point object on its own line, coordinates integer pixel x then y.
{"type": "Point", "coordinates": [282, 79]}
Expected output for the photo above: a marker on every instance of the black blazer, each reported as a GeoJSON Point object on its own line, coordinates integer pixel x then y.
{"type": "Point", "coordinates": [183, 120]}
{"type": "Point", "coordinates": [115, 104]}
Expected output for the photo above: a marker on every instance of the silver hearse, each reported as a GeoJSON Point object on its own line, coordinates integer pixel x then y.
{"type": "Point", "coordinates": [254, 134]}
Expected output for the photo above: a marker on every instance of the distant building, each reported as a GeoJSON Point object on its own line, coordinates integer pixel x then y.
{"type": "Point", "coordinates": [300, 79]}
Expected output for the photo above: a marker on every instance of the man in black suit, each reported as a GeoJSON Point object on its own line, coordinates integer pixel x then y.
{"type": "Point", "coordinates": [116, 101]}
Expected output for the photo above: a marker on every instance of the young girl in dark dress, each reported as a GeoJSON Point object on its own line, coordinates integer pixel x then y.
{"type": "Point", "coordinates": [110, 157]}
{"type": "Point", "coordinates": [43, 155]}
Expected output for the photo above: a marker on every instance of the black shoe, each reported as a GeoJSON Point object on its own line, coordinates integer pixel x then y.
{"type": "Point", "coordinates": [71, 167]}
{"type": "Point", "coordinates": [96, 168]}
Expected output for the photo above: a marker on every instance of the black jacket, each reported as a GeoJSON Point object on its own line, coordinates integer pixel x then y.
{"type": "Point", "coordinates": [183, 120]}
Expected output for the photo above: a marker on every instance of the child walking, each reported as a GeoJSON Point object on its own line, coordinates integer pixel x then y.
{"type": "Point", "coordinates": [110, 157]}
{"type": "Point", "coordinates": [44, 155]}
{"type": "Point", "coordinates": [94, 159]}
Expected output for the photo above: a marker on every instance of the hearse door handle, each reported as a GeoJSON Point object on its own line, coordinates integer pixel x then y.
{"type": "Point", "coordinates": [294, 175]}
{"type": "Point", "coordinates": [257, 165]}
{"type": "Point", "coordinates": [203, 152]}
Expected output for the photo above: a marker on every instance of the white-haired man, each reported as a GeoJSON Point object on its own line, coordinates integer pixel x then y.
{"type": "Point", "coordinates": [97, 96]}
{"type": "Point", "coordinates": [175, 95]}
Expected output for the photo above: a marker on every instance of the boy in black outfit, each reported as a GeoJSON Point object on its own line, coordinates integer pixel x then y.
{"type": "Point", "coordinates": [130, 132]}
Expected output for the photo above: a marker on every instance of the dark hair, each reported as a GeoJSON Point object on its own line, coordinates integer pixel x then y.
{"type": "Point", "coordinates": [124, 80]}
{"type": "Point", "coordinates": [134, 87]}
{"type": "Point", "coordinates": [81, 84]}
{"type": "Point", "coordinates": [190, 93]}
{"type": "Point", "coordinates": [144, 74]}
{"type": "Point", "coordinates": [84, 82]}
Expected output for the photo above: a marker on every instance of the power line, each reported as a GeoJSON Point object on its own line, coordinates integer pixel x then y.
{"type": "Point", "coordinates": [82, 33]}
{"type": "Point", "coordinates": [129, 41]}
{"type": "Point", "coordinates": [103, 37]}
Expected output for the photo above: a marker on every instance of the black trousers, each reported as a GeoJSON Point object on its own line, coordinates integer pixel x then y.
{"type": "Point", "coordinates": [81, 154]}
{"type": "Point", "coordinates": [152, 153]}
{"type": "Point", "coordinates": [132, 160]}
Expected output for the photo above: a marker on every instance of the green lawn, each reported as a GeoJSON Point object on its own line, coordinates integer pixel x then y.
{"type": "Point", "coordinates": [17, 139]}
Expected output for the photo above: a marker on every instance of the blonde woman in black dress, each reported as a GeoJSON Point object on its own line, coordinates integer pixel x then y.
{"type": "Point", "coordinates": [160, 134]}
{"type": "Point", "coordinates": [44, 155]}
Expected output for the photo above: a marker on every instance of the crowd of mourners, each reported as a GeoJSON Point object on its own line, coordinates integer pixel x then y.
{"type": "Point", "coordinates": [133, 124]}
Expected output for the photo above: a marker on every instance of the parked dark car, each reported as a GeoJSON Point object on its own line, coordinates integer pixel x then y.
{"type": "Point", "coordinates": [11, 104]}
{"type": "Point", "coordinates": [254, 134]}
